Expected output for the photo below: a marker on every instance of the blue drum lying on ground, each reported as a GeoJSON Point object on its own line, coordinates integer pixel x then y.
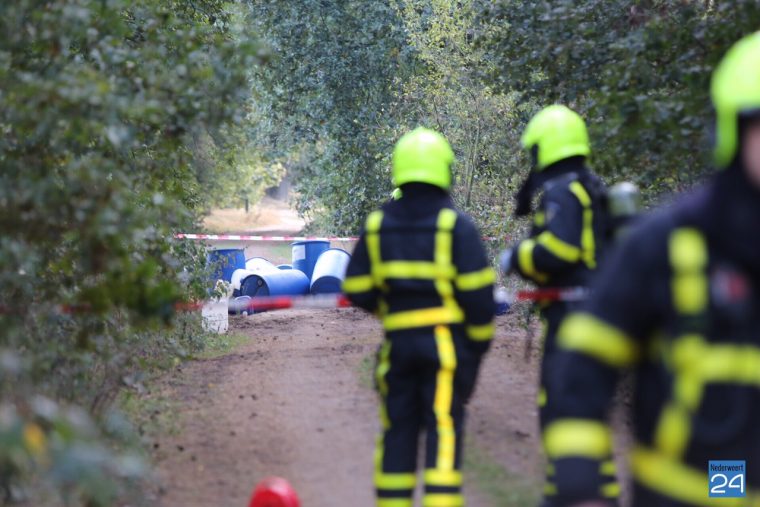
{"type": "Point", "coordinates": [306, 253]}
{"type": "Point", "coordinates": [237, 280]}
{"type": "Point", "coordinates": [279, 283]}
{"type": "Point", "coordinates": [330, 271]}
{"type": "Point", "coordinates": [225, 262]}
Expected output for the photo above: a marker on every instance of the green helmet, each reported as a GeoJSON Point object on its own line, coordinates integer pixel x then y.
{"type": "Point", "coordinates": [422, 156]}
{"type": "Point", "coordinates": [558, 133]}
{"type": "Point", "coordinates": [735, 90]}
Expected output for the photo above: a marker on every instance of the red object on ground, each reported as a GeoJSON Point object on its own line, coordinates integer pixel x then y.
{"type": "Point", "coordinates": [274, 492]}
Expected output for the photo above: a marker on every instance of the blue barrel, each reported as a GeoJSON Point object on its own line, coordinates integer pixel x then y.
{"type": "Point", "coordinates": [225, 262]}
{"type": "Point", "coordinates": [306, 253]}
{"type": "Point", "coordinates": [330, 271]}
{"type": "Point", "coordinates": [279, 283]}
{"type": "Point", "coordinates": [284, 266]}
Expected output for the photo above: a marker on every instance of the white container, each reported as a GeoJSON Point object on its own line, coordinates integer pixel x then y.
{"type": "Point", "coordinates": [214, 315]}
{"type": "Point", "coordinates": [260, 265]}
{"type": "Point", "coordinates": [330, 271]}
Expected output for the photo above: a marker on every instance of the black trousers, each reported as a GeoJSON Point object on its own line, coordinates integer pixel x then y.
{"type": "Point", "coordinates": [553, 316]}
{"type": "Point", "coordinates": [424, 377]}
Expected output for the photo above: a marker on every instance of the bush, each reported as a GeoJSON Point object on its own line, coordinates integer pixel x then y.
{"type": "Point", "coordinates": [101, 106]}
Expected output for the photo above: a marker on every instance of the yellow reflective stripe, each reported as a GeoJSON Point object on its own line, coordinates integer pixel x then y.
{"type": "Point", "coordinates": [688, 250]}
{"type": "Point", "coordinates": [550, 489]}
{"type": "Point", "coordinates": [582, 332]}
{"type": "Point", "coordinates": [443, 255]}
{"type": "Point", "coordinates": [539, 219]}
{"type": "Point", "coordinates": [696, 364]}
{"type": "Point", "coordinates": [558, 248]}
{"type": "Point", "coordinates": [588, 242]}
{"type": "Point", "coordinates": [395, 481]}
{"type": "Point", "coordinates": [379, 452]}
{"type": "Point", "coordinates": [673, 430]}
{"type": "Point", "coordinates": [476, 279]}
{"type": "Point", "coordinates": [374, 221]}
{"type": "Point", "coordinates": [541, 397]}
{"type": "Point", "coordinates": [481, 333]}
{"type": "Point", "coordinates": [611, 490]}
{"type": "Point", "coordinates": [416, 269]}
{"type": "Point", "coordinates": [577, 437]}
{"type": "Point", "coordinates": [691, 357]}
{"type": "Point", "coordinates": [525, 261]}
{"type": "Point", "coordinates": [372, 238]}
{"type": "Point", "coordinates": [675, 480]}
{"type": "Point", "coordinates": [355, 284]}
{"type": "Point", "coordinates": [447, 219]}
{"type": "Point", "coordinates": [689, 257]}
{"type": "Point", "coordinates": [608, 468]}
{"type": "Point", "coordinates": [720, 362]}
{"type": "Point", "coordinates": [442, 500]}
{"type": "Point", "coordinates": [395, 502]}
{"type": "Point", "coordinates": [422, 318]}
{"type": "Point", "coordinates": [383, 366]}
{"type": "Point", "coordinates": [444, 393]}
{"type": "Point", "coordinates": [451, 478]}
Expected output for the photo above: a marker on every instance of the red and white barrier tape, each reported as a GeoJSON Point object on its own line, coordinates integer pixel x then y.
{"type": "Point", "coordinates": [327, 301]}
{"type": "Point", "coordinates": [240, 237]}
{"type": "Point", "coordinates": [321, 301]}
{"type": "Point", "coordinates": [550, 294]}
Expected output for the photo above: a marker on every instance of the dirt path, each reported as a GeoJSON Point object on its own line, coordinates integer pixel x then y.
{"type": "Point", "coordinates": [295, 401]}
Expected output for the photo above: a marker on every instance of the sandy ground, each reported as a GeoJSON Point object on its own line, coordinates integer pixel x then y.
{"type": "Point", "coordinates": [294, 401]}
{"type": "Point", "coordinates": [270, 216]}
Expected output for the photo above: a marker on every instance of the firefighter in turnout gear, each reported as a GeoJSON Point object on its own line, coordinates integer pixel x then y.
{"type": "Point", "coordinates": [569, 227]}
{"type": "Point", "coordinates": [421, 268]}
{"type": "Point", "coordinates": [678, 304]}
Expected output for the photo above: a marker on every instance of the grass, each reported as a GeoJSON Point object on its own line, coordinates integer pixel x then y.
{"type": "Point", "coordinates": [276, 253]}
{"type": "Point", "coordinates": [218, 345]}
{"type": "Point", "coordinates": [154, 414]}
{"type": "Point", "coordinates": [492, 479]}
{"type": "Point", "coordinates": [366, 371]}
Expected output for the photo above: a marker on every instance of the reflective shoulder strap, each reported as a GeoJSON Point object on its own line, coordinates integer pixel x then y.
{"type": "Point", "coordinates": [372, 230]}
{"type": "Point", "coordinates": [688, 259]}
{"type": "Point", "coordinates": [447, 219]}
{"type": "Point", "coordinates": [688, 256]}
{"type": "Point", "coordinates": [588, 242]}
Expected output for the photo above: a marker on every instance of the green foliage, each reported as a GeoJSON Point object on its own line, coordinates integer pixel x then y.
{"type": "Point", "coordinates": [101, 107]}
{"type": "Point", "coordinates": [349, 78]}
{"type": "Point", "coordinates": [638, 71]}
{"type": "Point", "coordinates": [445, 92]}
{"type": "Point", "coordinates": [329, 95]}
